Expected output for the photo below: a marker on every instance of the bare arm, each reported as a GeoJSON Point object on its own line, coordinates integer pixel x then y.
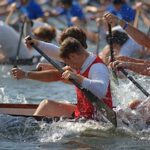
{"type": "Point", "coordinates": [3, 3]}
{"type": "Point", "coordinates": [104, 54]}
{"type": "Point", "coordinates": [134, 60]}
{"type": "Point", "coordinates": [136, 34]}
{"type": "Point", "coordinates": [44, 76]}
{"type": "Point", "coordinates": [141, 68]}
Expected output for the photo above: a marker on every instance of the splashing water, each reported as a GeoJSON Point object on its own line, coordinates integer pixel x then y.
{"type": "Point", "coordinates": [131, 123]}
{"type": "Point", "coordinates": [2, 94]}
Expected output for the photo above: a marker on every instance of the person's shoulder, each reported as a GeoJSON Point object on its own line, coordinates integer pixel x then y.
{"type": "Point", "coordinates": [99, 66]}
{"type": "Point", "coordinates": [127, 7]}
{"type": "Point", "coordinates": [5, 27]}
{"type": "Point", "coordinates": [76, 5]}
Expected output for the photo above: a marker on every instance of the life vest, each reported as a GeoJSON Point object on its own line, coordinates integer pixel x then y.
{"type": "Point", "coordinates": [84, 107]}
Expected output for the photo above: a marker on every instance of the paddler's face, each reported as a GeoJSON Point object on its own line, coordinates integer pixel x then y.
{"type": "Point", "coordinates": [73, 61]}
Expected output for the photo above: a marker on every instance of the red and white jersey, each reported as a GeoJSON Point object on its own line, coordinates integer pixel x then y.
{"type": "Point", "coordinates": [84, 106]}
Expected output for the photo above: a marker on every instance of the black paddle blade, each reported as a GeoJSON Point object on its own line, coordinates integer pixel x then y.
{"type": "Point", "coordinates": [19, 45]}
{"type": "Point", "coordinates": [102, 107]}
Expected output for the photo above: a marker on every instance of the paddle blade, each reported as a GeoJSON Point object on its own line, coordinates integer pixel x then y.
{"type": "Point", "coordinates": [102, 107]}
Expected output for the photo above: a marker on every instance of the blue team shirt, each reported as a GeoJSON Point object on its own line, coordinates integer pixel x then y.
{"type": "Point", "coordinates": [32, 10]}
{"type": "Point", "coordinates": [11, 1]}
{"type": "Point", "coordinates": [74, 11]}
{"type": "Point", "coordinates": [126, 12]}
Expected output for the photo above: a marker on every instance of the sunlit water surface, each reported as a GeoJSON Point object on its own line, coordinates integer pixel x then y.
{"type": "Point", "coordinates": [18, 132]}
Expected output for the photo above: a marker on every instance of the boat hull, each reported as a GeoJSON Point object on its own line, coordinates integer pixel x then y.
{"type": "Point", "coordinates": [26, 110]}
{"type": "Point", "coordinates": [18, 109]}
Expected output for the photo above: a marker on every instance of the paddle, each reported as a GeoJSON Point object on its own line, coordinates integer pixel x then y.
{"type": "Point", "coordinates": [112, 54]}
{"type": "Point", "coordinates": [19, 44]}
{"type": "Point", "coordinates": [125, 72]}
{"type": "Point", "coordinates": [101, 106]}
{"type": "Point", "coordinates": [98, 42]}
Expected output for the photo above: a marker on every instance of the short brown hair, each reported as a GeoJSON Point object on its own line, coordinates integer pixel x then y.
{"type": "Point", "coordinates": [70, 45]}
{"type": "Point", "coordinates": [45, 33]}
{"type": "Point", "coordinates": [76, 33]}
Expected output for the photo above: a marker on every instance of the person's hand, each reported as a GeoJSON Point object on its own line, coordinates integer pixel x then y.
{"type": "Point", "coordinates": [29, 42]}
{"type": "Point", "coordinates": [44, 66]}
{"type": "Point", "coordinates": [138, 5]}
{"type": "Point", "coordinates": [92, 9]}
{"type": "Point", "coordinates": [134, 104]}
{"type": "Point", "coordinates": [110, 18]}
{"type": "Point", "coordinates": [99, 21]}
{"type": "Point", "coordinates": [18, 73]}
{"type": "Point", "coordinates": [118, 64]}
{"type": "Point", "coordinates": [68, 73]}
{"type": "Point", "coordinates": [13, 7]}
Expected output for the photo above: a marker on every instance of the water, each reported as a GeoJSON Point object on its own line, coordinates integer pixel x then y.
{"type": "Point", "coordinates": [27, 134]}
{"type": "Point", "coordinates": [21, 133]}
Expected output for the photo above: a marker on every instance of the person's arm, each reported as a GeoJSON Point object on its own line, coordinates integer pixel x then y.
{"type": "Point", "coordinates": [98, 80]}
{"type": "Point", "coordinates": [136, 34]}
{"type": "Point", "coordinates": [91, 9]}
{"type": "Point", "coordinates": [44, 76]}
{"type": "Point", "coordinates": [146, 20]}
{"type": "Point", "coordinates": [104, 54]}
{"type": "Point", "coordinates": [3, 3]}
{"type": "Point", "coordinates": [12, 9]}
{"type": "Point", "coordinates": [134, 60]}
{"type": "Point", "coordinates": [141, 68]}
{"type": "Point", "coordinates": [50, 49]}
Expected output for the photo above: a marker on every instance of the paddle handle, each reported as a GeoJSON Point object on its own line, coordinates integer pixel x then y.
{"type": "Point", "coordinates": [19, 45]}
{"type": "Point", "coordinates": [112, 54]}
{"type": "Point", "coordinates": [111, 43]}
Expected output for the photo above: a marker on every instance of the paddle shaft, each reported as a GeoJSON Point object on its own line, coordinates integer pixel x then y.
{"type": "Point", "coordinates": [111, 43]}
{"type": "Point", "coordinates": [112, 54]}
{"type": "Point", "coordinates": [19, 44]}
{"type": "Point", "coordinates": [110, 114]}
{"type": "Point", "coordinates": [98, 42]}
{"type": "Point", "coordinates": [122, 70]}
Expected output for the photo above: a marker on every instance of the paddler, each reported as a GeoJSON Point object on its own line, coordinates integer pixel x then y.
{"type": "Point", "coordinates": [137, 65]}
{"type": "Point", "coordinates": [84, 67]}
